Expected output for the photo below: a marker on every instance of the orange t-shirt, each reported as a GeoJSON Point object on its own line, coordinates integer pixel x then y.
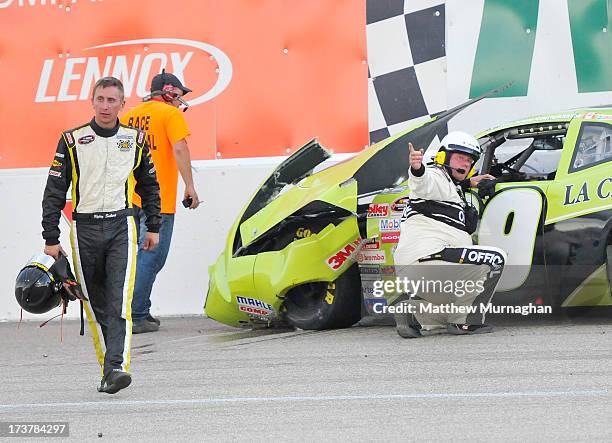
{"type": "Point", "coordinates": [165, 125]}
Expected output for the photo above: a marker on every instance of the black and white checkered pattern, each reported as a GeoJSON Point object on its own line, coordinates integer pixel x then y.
{"type": "Point", "coordinates": [407, 63]}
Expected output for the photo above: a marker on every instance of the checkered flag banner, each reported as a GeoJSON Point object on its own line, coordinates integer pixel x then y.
{"type": "Point", "coordinates": [406, 64]}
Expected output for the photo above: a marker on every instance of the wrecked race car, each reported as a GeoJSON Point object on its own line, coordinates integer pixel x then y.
{"type": "Point", "coordinates": [306, 248]}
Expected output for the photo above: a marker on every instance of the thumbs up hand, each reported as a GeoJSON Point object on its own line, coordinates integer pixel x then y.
{"type": "Point", "coordinates": [416, 157]}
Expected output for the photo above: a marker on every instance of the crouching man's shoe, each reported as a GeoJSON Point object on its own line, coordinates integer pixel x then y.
{"type": "Point", "coordinates": [407, 326]}
{"type": "Point", "coordinates": [115, 381]}
{"type": "Point", "coordinates": [466, 329]}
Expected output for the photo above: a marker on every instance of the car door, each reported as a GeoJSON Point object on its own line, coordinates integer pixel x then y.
{"type": "Point", "coordinates": [577, 226]}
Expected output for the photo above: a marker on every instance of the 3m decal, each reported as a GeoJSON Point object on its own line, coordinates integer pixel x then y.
{"type": "Point", "coordinates": [344, 254]}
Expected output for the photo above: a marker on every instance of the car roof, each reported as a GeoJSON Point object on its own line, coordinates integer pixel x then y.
{"type": "Point", "coordinates": [592, 113]}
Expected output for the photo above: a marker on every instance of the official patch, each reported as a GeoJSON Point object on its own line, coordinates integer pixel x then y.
{"type": "Point", "coordinates": [124, 145]}
{"type": "Point", "coordinates": [59, 155]}
{"type": "Point", "coordinates": [69, 138]}
{"type": "Point", "coordinates": [141, 136]}
{"type": "Point", "coordinates": [86, 139]}
{"type": "Point", "coordinates": [55, 173]}
{"type": "Point", "coordinates": [57, 164]}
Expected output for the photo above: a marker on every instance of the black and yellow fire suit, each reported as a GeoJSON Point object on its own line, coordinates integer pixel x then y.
{"type": "Point", "coordinates": [103, 167]}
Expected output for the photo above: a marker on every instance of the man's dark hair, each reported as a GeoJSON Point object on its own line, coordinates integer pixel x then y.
{"type": "Point", "coordinates": [106, 82]}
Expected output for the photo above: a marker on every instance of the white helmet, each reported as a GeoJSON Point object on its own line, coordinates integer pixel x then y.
{"type": "Point", "coordinates": [458, 141]}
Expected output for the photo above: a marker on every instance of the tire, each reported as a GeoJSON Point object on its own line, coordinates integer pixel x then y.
{"type": "Point", "coordinates": [326, 305]}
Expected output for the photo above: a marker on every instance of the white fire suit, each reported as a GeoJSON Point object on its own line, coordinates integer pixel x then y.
{"type": "Point", "coordinates": [434, 238]}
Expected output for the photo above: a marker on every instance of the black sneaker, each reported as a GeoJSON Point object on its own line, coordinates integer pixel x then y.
{"type": "Point", "coordinates": [144, 327]}
{"type": "Point", "coordinates": [465, 329]}
{"type": "Point", "coordinates": [152, 319]}
{"type": "Point", "coordinates": [115, 381]}
{"type": "Point", "coordinates": [407, 325]}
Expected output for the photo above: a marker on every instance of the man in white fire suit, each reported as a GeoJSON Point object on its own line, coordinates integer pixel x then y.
{"type": "Point", "coordinates": [435, 248]}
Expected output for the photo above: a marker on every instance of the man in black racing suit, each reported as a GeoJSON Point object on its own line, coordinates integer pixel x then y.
{"type": "Point", "coordinates": [104, 162]}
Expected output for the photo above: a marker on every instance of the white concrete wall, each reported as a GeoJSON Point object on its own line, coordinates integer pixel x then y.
{"type": "Point", "coordinates": [223, 186]}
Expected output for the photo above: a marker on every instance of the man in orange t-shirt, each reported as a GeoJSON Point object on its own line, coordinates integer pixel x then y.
{"type": "Point", "coordinates": [166, 131]}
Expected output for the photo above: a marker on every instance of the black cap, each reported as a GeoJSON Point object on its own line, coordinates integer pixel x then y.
{"type": "Point", "coordinates": [160, 80]}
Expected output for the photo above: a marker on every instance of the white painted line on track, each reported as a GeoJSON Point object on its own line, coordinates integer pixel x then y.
{"type": "Point", "coordinates": [220, 400]}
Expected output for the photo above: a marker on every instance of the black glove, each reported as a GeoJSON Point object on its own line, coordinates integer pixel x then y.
{"type": "Point", "coordinates": [471, 219]}
{"type": "Point", "coordinates": [61, 268]}
{"type": "Point", "coordinates": [486, 188]}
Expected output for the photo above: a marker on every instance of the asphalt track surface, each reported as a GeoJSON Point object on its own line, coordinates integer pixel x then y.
{"type": "Point", "coordinates": [197, 380]}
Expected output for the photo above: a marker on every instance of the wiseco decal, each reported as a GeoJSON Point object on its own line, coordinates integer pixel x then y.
{"type": "Point", "coordinates": [338, 259]}
{"type": "Point", "coordinates": [378, 210]}
{"type": "Point", "coordinates": [81, 73]}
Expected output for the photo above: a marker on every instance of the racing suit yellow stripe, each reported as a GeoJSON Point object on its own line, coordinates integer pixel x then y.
{"type": "Point", "coordinates": [91, 320]}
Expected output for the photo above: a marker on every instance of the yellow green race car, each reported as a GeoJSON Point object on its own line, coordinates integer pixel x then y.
{"type": "Point", "coordinates": [307, 247]}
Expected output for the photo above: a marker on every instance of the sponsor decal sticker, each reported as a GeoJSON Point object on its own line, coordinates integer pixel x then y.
{"type": "Point", "coordinates": [344, 254]}
{"type": "Point", "coordinates": [398, 205]}
{"type": "Point", "coordinates": [370, 302]}
{"type": "Point", "coordinates": [372, 244]}
{"type": "Point", "coordinates": [69, 138]}
{"type": "Point", "coordinates": [254, 306]}
{"type": "Point", "coordinates": [367, 289]}
{"type": "Point", "coordinates": [57, 164]}
{"type": "Point", "coordinates": [387, 270]}
{"type": "Point", "coordinates": [378, 210]}
{"type": "Point", "coordinates": [86, 139]}
{"type": "Point", "coordinates": [59, 155]}
{"type": "Point", "coordinates": [389, 225]}
{"type": "Point", "coordinates": [55, 173]}
{"type": "Point", "coordinates": [372, 257]}
{"type": "Point", "coordinates": [390, 237]}
{"type": "Point", "coordinates": [303, 233]}
{"type": "Point", "coordinates": [124, 145]}
{"type": "Point", "coordinates": [369, 270]}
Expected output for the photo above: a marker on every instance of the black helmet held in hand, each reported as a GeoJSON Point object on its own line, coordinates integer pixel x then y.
{"type": "Point", "coordinates": [44, 282]}
{"type": "Point", "coordinates": [36, 289]}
